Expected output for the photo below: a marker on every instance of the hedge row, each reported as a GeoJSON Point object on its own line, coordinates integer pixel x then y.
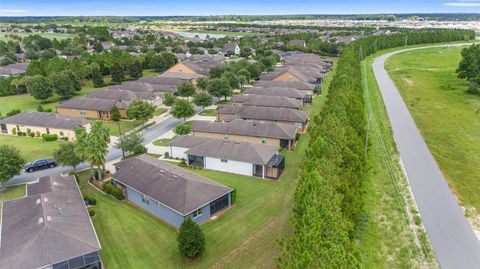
{"type": "Point", "coordinates": [328, 201]}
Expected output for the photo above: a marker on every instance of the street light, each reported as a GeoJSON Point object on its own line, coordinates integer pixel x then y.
{"type": "Point", "coordinates": [121, 142]}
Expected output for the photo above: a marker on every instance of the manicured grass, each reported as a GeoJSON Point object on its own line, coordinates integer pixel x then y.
{"type": "Point", "coordinates": [162, 142]}
{"type": "Point", "coordinates": [31, 148]}
{"type": "Point", "coordinates": [446, 115]}
{"type": "Point", "coordinates": [159, 111]}
{"type": "Point", "coordinates": [223, 102]}
{"type": "Point", "coordinates": [59, 36]}
{"type": "Point", "coordinates": [11, 193]}
{"type": "Point", "coordinates": [245, 236]}
{"type": "Point", "coordinates": [388, 236]}
{"type": "Point", "coordinates": [209, 112]}
{"type": "Point", "coordinates": [125, 126]}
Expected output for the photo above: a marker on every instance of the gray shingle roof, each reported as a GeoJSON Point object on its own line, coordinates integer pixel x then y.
{"type": "Point", "coordinates": [299, 85]}
{"type": "Point", "coordinates": [276, 91]}
{"type": "Point", "coordinates": [121, 95]}
{"type": "Point", "coordinates": [45, 228]}
{"type": "Point", "coordinates": [266, 113]}
{"type": "Point", "coordinates": [177, 188]}
{"type": "Point", "coordinates": [181, 75]}
{"type": "Point", "coordinates": [225, 149]}
{"type": "Point", "coordinates": [162, 80]}
{"type": "Point", "coordinates": [247, 128]}
{"type": "Point", "coordinates": [88, 104]}
{"type": "Point", "coordinates": [267, 101]}
{"type": "Point", "coordinates": [13, 69]}
{"type": "Point", "coordinates": [44, 119]}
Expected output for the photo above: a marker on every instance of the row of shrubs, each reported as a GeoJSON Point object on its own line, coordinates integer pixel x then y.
{"type": "Point", "coordinates": [45, 137]}
{"type": "Point", "coordinates": [113, 190]}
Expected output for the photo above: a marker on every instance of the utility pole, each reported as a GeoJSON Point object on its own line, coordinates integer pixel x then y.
{"type": "Point", "coordinates": [121, 140]}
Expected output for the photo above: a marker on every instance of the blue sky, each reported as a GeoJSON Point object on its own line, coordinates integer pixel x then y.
{"type": "Point", "coordinates": [214, 7]}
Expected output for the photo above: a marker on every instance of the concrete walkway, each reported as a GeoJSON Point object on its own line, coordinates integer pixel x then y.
{"type": "Point", "coordinates": [452, 237]}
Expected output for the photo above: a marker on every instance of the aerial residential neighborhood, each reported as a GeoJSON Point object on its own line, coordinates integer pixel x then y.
{"type": "Point", "coordinates": [170, 135]}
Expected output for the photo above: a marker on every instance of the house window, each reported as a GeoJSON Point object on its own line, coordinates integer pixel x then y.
{"type": "Point", "coordinates": [264, 140]}
{"type": "Point", "coordinates": [145, 199]}
{"type": "Point", "coordinates": [197, 213]}
{"type": "Point", "coordinates": [298, 124]}
{"type": "Point", "coordinates": [18, 128]}
{"type": "Point", "coordinates": [225, 136]}
{"type": "Point", "coordinates": [48, 131]}
{"type": "Point", "coordinates": [224, 161]}
{"type": "Point", "coordinates": [82, 112]}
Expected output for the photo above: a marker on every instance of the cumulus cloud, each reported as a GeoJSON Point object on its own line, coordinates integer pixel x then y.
{"type": "Point", "coordinates": [464, 3]}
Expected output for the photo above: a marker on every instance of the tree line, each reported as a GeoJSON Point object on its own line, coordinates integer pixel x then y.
{"type": "Point", "coordinates": [328, 200]}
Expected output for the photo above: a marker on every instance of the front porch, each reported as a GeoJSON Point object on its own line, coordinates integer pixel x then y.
{"type": "Point", "coordinates": [273, 169]}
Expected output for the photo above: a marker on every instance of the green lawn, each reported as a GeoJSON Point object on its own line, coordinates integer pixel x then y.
{"type": "Point", "coordinates": [125, 126]}
{"type": "Point", "coordinates": [162, 142]}
{"type": "Point", "coordinates": [447, 117]}
{"type": "Point", "coordinates": [159, 111]}
{"type": "Point", "coordinates": [209, 112]}
{"type": "Point", "coordinates": [223, 102]}
{"type": "Point", "coordinates": [31, 148]}
{"type": "Point", "coordinates": [59, 36]}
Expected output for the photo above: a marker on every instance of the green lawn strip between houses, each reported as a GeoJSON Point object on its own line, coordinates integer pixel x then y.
{"type": "Point", "coordinates": [445, 114]}
{"type": "Point", "coordinates": [243, 237]}
{"type": "Point", "coordinates": [31, 148]}
{"type": "Point", "coordinates": [209, 112]}
{"type": "Point", "coordinates": [125, 126]}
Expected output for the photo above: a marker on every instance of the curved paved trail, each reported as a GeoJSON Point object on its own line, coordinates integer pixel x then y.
{"type": "Point", "coordinates": [453, 240]}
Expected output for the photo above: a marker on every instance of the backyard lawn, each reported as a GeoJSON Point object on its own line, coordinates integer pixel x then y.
{"type": "Point", "coordinates": [31, 148]}
{"type": "Point", "coordinates": [162, 142]}
{"type": "Point", "coordinates": [125, 126]}
{"type": "Point", "coordinates": [446, 115]}
{"type": "Point", "coordinates": [209, 112]}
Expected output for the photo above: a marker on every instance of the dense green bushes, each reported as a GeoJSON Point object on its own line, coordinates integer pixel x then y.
{"type": "Point", "coordinates": [49, 137]}
{"type": "Point", "coordinates": [113, 190]}
{"type": "Point", "coordinates": [328, 202]}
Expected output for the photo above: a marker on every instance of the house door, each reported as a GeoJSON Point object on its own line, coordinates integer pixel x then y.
{"type": "Point", "coordinates": [3, 127]}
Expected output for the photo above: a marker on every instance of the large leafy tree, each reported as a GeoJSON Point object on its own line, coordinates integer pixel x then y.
{"type": "Point", "coordinates": [469, 67]}
{"type": "Point", "coordinates": [93, 146]}
{"type": "Point", "coordinates": [131, 142]}
{"type": "Point", "coordinates": [135, 70]}
{"type": "Point", "coordinates": [182, 109]}
{"type": "Point", "coordinates": [168, 99]}
{"type": "Point", "coordinates": [191, 241]}
{"type": "Point", "coordinates": [11, 162]}
{"type": "Point", "coordinates": [186, 89]}
{"type": "Point", "coordinates": [232, 79]}
{"type": "Point", "coordinates": [202, 99]}
{"type": "Point", "coordinates": [118, 74]}
{"type": "Point", "coordinates": [62, 85]}
{"type": "Point", "coordinates": [65, 155]}
{"type": "Point", "coordinates": [140, 110]}
{"type": "Point", "coordinates": [219, 87]}
{"type": "Point", "coordinates": [39, 87]}
{"type": "Point", "coordinates": [96, 74]}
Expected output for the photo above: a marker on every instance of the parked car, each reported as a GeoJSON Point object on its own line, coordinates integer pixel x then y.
{"type": "Point", "coordinates": [40, 164]}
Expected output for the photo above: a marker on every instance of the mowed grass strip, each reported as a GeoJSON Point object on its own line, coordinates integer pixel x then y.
{"type": "Point", "coordinates": [446, 115]}
{"type": "Point", "coordinates": [31, 148]}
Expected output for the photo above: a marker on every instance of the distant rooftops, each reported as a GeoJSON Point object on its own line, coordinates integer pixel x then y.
{"type": "Point", "coordinates": [88, 104]}
{"type": "Point", "coordinates": [266, 113]}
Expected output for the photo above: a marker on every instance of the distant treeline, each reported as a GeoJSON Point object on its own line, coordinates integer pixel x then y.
{"type": "Point", "coordinates": [328, 209]}
{"type": "Point", "coordinates": [242, 18]}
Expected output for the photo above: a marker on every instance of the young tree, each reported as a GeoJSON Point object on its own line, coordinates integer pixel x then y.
{"type": "Point", "coordinates": [96, 75]}
{"type": "Point", "coordinates": [168, 99]}
{"type": "Point", "coordinates": [182, 109]}
{"type": "Point", "coordinates": [216, 72]}
{"type": "Point", "coordinates": [93, 146]}
{"type": "Point", "coordinates": [186, 89]}
{"type": "Point", "coordinates": [115, 114]}
{"type": "Point", "coordinates": [219, 87]}
{"type": "Point", "coordinates": [243, 80]}
{"type": "Point", "coordinates": [183, 129]}
{"type": "Point", "coordinates": [11, 162]}
{"type": "Point", "coordinates": [202, 99]}
{"type": "Point", "coordinates": [135, 69]}
{"type": "Point", "coordinates": [232, 79]}
{"type": "Point", "coordinates": [131, 142]}
{"type": "Point", "coordinates": [62, 85]}
{"type": "Point", "coordinates": [140, 110]}
{"type": "Point", "coordinates": [202, 83]}
{"type": "Point", "coordinates": [191, 240]}
{"type": "Point", "coordinates": [244, 72]}
{"type": "Point", "coordinates": [469, 67]}
{"type": "Point", "coordinates": [39, 87]}
{"type": "Point", "coordinates": [118, 74]}
{"type": "Point", "coordinates": [65, 155]}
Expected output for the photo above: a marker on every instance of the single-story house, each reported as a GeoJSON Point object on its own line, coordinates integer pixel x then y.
{"type": "Point", "coordinates": [13, 70]}
{"type": "Point", "coordinates": [267, 101]}
{"type": "Point", "coordinates": [48, 228]}
{"type": "Point", "coordinates": [126, 95]}
{"type": "Point", "coordinates": [170, 192]}
{"type": "Point", "coordinates": [282, 115]}
{"type": "Point", "coordinates": [307, 74]}
{"type": "Point", "coordinates": [268, 133]}
{"type": "Point", "coordinates": [229, 156]}
{"type": "Point", "coordinates": [43, 123]}
{"type": "Point", "coordinates": [89, 107]}
{"type": "Point", "coordinates": [280, 91]}
{"type": "Point", "coordinates": [231, 47]}
{"type": "Point", "coordinates": [308, 88]}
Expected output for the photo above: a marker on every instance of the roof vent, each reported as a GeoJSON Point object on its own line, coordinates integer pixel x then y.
{"type": "Point", "coordinates": [49, 218]}
{"type": "Point", "coordinates": [60, 211]}
{"type": "Point", "coordinates": [38, 201]}
{"type": "Point", "coordinates": [55, 183]}
{"type": "Point", "coordinates": [45, 199]}
{"type": "Point", "coordinates": [162, 171]}
{"type": "Point", "coordinates": [40, 220]}
{"type": "Point", "coordinates": [174, 176]}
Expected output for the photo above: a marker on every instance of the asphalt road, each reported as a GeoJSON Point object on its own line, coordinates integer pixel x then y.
{"type": "Point", "coordinates": [149, 134]}
{"type": "Point", "coordinates": [452, 237]}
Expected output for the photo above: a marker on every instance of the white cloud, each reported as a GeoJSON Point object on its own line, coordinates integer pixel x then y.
{"type": "Point", "coordinates": [465, 3]}
{"type": "Point", "coordinates": [13, 11]}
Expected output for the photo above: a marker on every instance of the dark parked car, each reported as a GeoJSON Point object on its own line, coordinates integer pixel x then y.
{"type": "Point", "coordinates": [40, 164]}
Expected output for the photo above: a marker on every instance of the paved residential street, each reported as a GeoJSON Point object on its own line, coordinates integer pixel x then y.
{"type": "Point", "coordinates": [150, 134]}
{"type": "Point", "coordinates": [452, 237]}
